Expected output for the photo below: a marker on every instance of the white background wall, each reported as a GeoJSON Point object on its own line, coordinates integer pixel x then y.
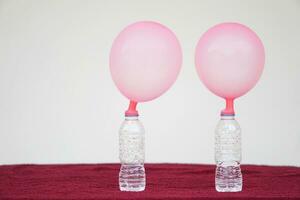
{"type": "Point", "coordinates": [58, 103]}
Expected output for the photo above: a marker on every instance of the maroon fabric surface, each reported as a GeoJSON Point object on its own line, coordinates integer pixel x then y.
{"type": "Point", "coordinates": [164, 181]}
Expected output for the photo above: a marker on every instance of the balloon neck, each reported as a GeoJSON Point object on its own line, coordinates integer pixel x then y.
{"type": "Point", "coordinates": [229, 110]}
{"type": "Point", "coordinates": [131, 111]}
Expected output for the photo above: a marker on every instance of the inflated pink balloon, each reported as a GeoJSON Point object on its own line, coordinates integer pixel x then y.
{"type": "Point", "coordinates": [229, 60]}
{"type": "Point", "coordinates": [145, 60]}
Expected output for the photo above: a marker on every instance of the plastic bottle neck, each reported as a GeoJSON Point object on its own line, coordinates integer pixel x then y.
{"type": "Point", "coordinates": [131, 118]}
{"type": "Point", "coordinates": [227, 117]}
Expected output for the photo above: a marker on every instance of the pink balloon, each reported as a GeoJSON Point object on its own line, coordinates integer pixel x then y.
{"type": "Point", "coordinates": [229, 59]}
{"type": "Point", "coordinates": [145, 60]}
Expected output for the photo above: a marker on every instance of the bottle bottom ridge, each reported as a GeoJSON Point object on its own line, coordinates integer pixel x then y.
{"type": "Point", "coordinates": [228, 177]}
{"type": "Point", "coordinates": [132, 177]}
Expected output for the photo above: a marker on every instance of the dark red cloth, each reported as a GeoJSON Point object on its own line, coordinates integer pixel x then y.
{"type": "Point", "coordinates": [164, 181]}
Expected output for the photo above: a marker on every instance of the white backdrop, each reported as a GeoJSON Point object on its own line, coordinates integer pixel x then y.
{"type": "Point", "coordinates": [58, 103]}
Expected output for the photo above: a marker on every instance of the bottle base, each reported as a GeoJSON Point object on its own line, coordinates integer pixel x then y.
{"type": "Point", "coordinates": [226, 188]}
{"type": "Point", "coordinates": [132, 178]}
{"type": "Point", "coordinates": [228, 179]}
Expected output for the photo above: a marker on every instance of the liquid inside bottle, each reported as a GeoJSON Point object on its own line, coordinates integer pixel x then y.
{"type": "Point", "coordinates": [132, 175]}
{"type": "Point", "coordinates": [228, 155]}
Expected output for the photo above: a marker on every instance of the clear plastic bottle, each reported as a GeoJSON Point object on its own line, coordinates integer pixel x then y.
{"type": "Point", "coordinates": [132, 155]}
{"type": "Point", "coordinates": [228, 155]}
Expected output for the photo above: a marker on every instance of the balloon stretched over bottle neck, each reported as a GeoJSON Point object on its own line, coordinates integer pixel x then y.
{"type": "Point", "coordinates": [229, 110]}
{"type": "Point", "coordinates": [131, 111]}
